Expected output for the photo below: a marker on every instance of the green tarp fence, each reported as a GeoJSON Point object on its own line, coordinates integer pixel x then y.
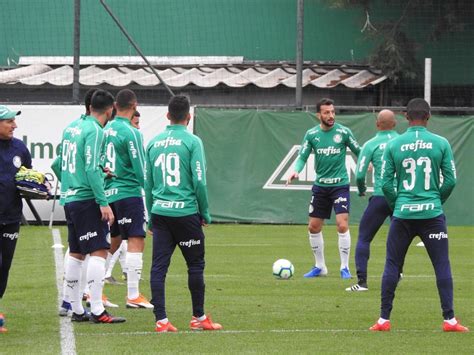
{"type": "Point", "coordinates": [250, 153]}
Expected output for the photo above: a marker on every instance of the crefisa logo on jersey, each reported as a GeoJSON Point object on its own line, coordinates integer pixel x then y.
{"type": "Point", "coordinates": [337, 138]}
{"type": "Point", "coordinates": [17, 161]}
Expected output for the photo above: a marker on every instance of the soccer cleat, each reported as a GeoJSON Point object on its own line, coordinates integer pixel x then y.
{"type": "Point", "coordinates": [65, 309]}
{"type": "Point", "coordinates": [458, 328]}
{"type": "Point", "coordinates": [358, 288]}
{"type": "Point", "coordinates": [316, 271]}
{"type": "Point", "coordinates": [105, 301]}
{"type": "Point", "coordinates": [162, 327]}
{"type": "Point", "coordinates": [2, 323]}
{"type": "Point", "coordinates": [206, 324]}
{"type": "Point", "coordinates": [105, 317]}
{"type": "Point", "coordinates": [345, 273]}
{"type": "Point", "coordinates": [84, 317]}
{"type": "Point", "coordinates": [112, 281]}
{"type": "Point", "coordinates": [139, 302]}
{"type": "Point", "coordinates": [384, 327]}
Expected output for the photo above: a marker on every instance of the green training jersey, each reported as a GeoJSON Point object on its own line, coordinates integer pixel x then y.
{"type": "Point", "coordinates": [175, 183]}
{"type": "Point", "coordinates": [425, 173]}
{"type": "Point", "coordinates": [56, 166]}
{"type": "Point", "coordinates": [372, 152]}
{"type": "Point", "coordinates": [80, 170]}
{"type": "Point", "coordinates": [125, 157]}
{"type": "Point", "coordinates": [329, 154]}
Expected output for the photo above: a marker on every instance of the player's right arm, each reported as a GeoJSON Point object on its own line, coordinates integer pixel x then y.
{"type": "Point", "coordinates": [148, 184]}
{"type": "Point", "coordinates": [448, 169]}
{"type": "Point", "coordinates": [363, 163]}
{"type": "Point", "coordinates": [198, 171]}
{"type": "Point", "coordinates": [388, 176]}
{"type": "Point", "coordinates": [136, 154]}
{"type": "Point", "coordinates": [92, 156]}
{"type": "Point", "coordinates": [303, 155]}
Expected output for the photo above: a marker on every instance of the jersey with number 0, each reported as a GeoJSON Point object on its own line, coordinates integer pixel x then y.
{"type": "Point", "coordinates": [56, 166]}
{"type": "Point", "coordinates": [175, 183]}
{"type": "Point", "coordinates": [372, 152]}
{"type": "Point", "coordinates": [329, 154]}
{"type": "Point", "coordinates": [80, 159]}
{"type": "Point", "coordinates": [418, 158]}
{"type": "Point", "coordinates": [124, 155]}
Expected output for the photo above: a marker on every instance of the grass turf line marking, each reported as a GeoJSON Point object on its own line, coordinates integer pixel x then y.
{"type": "Point", "coordinates": [66, 329]}
{"type": "Point", "coordinates": [268, 331]}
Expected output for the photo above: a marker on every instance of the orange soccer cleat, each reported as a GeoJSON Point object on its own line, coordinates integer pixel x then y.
{"type": "Point", "coordinates": [164, 327]}
{"type": "Point", "coordinates": [139, 302]}
{"type": "Point", "coordinates": [455, 328]}
{"type": "Point", "coordinates": [384, 327]}
{"type": "Point", "coordinates": [206, 324]}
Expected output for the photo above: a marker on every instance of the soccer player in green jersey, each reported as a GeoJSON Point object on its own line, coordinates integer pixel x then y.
{"type": "Point", "coordinates": [176, 199]}
{"type": "Point", "coordinates": [125, 158]}
{"type": "Point", "coordinates": [87, 211]}
{"type": "Point", "coordinates": [377, 210]}
{"type": "Point", "coordinates": [328, 141]}
{"type": "Point", "coordinates": [416, 160]}
{"type": "Point", "coordinates": [65, 307]}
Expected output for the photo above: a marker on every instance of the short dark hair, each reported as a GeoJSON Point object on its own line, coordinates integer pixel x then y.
{"type": "Point", "coordinates": [323, 102]}
{"type": "Point", "coordinates": [101, 101]}
{"type": "Point", "coordinates": [178, 107]}
{"type": "Point", "coordinates": [88, 98]}
{"type": "Point", "coordinates": [418, 109]}
{"type": "Point", "coordinates": [125, 99]}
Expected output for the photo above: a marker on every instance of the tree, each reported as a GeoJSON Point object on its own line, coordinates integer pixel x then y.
{"type": "Point", "coordinates": [396, 47]}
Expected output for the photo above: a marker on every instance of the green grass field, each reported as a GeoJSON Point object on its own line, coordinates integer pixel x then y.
{"type": "Point", "coordinates": [259, 313]}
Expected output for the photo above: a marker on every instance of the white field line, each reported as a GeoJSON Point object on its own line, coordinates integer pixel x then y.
{"type": "Point", "coordinates": [262, 331]}
{"type": "Point", "coordinates": [66, 329]}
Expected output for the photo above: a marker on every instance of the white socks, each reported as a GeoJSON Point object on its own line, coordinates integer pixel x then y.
{"type": "Point", "coordinates": [84, 288]}
{"type": "Point", "coordinates": [317, 245]}
{"type": "Point", "coordinates": [95, 280]}
{"type": "Point", "coordinates": [134, 262]}
{"type": "Point", "coordinates": [382, 321]}
{"type": "Point", "coordinates": [344, 248]}
{"type": "Point", "coordinates": [73, 275]}
{"type": "Point", "coordinates": [123, 255]}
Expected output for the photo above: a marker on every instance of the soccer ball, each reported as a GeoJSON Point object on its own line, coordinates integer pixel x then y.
{"type": "Point", "coordinates": [283, 269]}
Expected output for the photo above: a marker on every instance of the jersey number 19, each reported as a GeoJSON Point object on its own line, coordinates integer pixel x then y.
{"type": "Point", "coordinates": [169, 168]}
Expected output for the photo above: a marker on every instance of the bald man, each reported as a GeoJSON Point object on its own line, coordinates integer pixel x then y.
{"type": "Point", "coordinates": [377, 210]}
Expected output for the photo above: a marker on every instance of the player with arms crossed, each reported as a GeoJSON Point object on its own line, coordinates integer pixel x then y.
{"type": "Point", "coordinates": [377, 210]}
{"type": "Point", "coordinates": [88, 214]}
{"type": "Point", "coordinates": [328, 140]}
{"type": "Point", "coordinates": [125, 158]}
{"type": "Point", "coordinates": [176, 198]}
{"type": "Point", "coordinates": [418, 158]}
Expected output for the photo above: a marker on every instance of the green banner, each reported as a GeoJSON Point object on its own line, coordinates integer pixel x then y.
{"type": "Point", "coordinates": [251, 152]}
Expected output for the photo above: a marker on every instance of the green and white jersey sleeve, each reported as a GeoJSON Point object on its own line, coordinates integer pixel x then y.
{"type": "Point", "coordinates": [124, 155]}
{"type": "Point", "coordinates": [81, 153]}
{"type": "Point", "coordinates": [425, 173]}
{"type": "Point", "coordinates": [175, 183]}
{"type": "Point", "coordinates": [329, 149]}
{"type": "Point", "coordinates": [372, 152]}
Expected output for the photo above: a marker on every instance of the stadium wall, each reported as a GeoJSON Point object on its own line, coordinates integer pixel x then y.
{"type": "Point", "coordinates": [250, 154]}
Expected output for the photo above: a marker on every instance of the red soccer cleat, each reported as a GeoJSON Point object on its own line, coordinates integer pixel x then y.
{"type": "Point", "coordinates": [458, 328]}
{"type": "Point", "coordinates": [206, 324]}
{"type": "Point", "coordinates": [384, 327]}
{"type": "Point", "coordinates": [162, 327]}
